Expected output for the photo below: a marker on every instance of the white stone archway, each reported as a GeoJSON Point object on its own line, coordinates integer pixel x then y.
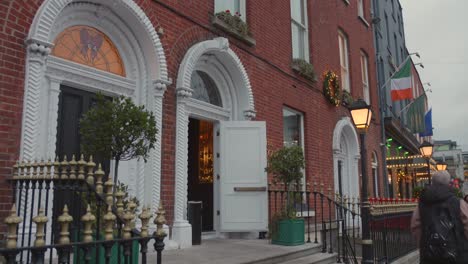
{"type": "Point", "coordinates": [345, 158]}
{"type": "Point", "coordinates": [126, 24]}
{"type": "Point", "coordinates": [223, 65]}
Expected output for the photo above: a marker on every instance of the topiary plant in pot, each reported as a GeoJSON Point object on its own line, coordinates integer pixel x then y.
{"type": "Point", "coordinates": [286, 165]}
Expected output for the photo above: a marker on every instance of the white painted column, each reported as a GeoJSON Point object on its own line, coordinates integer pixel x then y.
{"type": "Point", "coordinates": [181, 230]}
{"type": "Point", "coordinates": [35, 69]}
{"type": "Point", "coordinates": [153, 185]}
{"type": "Point", "coordinates": [54, 93]}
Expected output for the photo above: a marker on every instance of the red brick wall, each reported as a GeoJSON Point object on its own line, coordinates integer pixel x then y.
{"type": "Point", "coordinates": [273, 82]}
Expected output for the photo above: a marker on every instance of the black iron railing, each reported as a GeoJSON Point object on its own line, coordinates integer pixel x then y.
{"type": "Point", "coordinates": [63, 212]}
{"type": "Point", "coordinates": [390, 229]}
{"type": "Point", "coordinates": [335, 222]}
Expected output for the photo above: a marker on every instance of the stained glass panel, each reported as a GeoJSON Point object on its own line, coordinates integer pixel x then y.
{"type": "Point", "coordinates": [88, 46]}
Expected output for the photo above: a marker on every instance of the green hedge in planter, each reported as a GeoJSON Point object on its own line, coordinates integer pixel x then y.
{"type": "Point", "coordinates": [289, 232]}
{"type": "Point", "coordinates": [114, 254]}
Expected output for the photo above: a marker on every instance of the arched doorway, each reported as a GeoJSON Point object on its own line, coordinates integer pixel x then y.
{"type": "Point", "coordinates": [124, 29]}
{"type": "Point", "coordinates": [345, 159]}
{"type": "Point", "coordinates": [214, 108]}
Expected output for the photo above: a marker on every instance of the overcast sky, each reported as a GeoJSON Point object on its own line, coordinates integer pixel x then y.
{"type": "Point", "coordinates": [438, 30]}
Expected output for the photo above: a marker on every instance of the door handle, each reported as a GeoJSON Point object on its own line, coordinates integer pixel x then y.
{"type": "Point", "coordinates": [250, 189]}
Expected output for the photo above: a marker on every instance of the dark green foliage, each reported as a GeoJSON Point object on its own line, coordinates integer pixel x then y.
{"type": "Point", "coordinates": [118, 129]}
{"type": "Point", "coordinates": [286, 165]}
{"type": "Point", "coordinates": [306, 69]}
{"type": "Point", "coordinates": [234, 22]}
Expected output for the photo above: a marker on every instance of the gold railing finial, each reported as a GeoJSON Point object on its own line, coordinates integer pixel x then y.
{"type": "Point", "coordinates": [160, 220]}
{"type": "Point", "coordinates": [64, 167]}
{"type": "Point", "coordinates": [90, 165]}
{"type": "Point", "coordinates": [99, 175]}
{"type": "Point", "coordinates": [56, 165]}
{"type": "Point", "coordinates": [81, 168]}
{"type": "Point", "coordinates": [109, 191]}
{"type": "Point", "coordinates": [132, 208]}
{"type": "Point", "coordinates": [88, 220]}
{"type": "Point", "coordinates": [49, 165]}
{"type": "Point", "coordinates": [119, 195]}
{"type": "Point", "coordinates": [127, 230]}
{"type": "Point", "coordinates": [109, 219]}
{"type": "Point", "coordinates": [73, 164]}
{"type": "Point", "coordinates": [145, 218]}
{"type": "Point", "coordinates": [65, 219]}
{"type": "Point", "coordinates": [12, 222]}
{"type": "Point", "coordinates": [40, 220]}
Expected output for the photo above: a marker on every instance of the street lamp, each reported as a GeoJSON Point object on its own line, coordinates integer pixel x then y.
{"type": "Point", "coordinates": [361, 114]}
{"type": "Point", "coordinates": [426, 149]}
{"type": "Point", "coordinates": [441, 166]}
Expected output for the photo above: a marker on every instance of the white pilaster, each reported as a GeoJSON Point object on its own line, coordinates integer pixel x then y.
{"type": "Point", "coordinates": [181, 230]}
{"type": "Point", "coordinates": [54, 93]}
{"type": "Point", "coordinates": [37, 54]}
{"type": "Point", "coordinates": [154, 187]}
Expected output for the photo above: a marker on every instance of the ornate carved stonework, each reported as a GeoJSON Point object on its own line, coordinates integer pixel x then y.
{"type": "Point", "coordinates": [183, 92]}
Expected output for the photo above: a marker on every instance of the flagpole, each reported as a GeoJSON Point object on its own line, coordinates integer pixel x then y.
{"type": "Point", "coordinates": [396, 71]}
{"type": "Point", "coordinates": [408, 105]}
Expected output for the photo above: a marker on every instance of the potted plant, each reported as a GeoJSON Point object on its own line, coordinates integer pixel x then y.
{"type": "Point", "coordinates": [286, 165]}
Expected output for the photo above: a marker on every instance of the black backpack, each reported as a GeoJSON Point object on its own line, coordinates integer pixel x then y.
{"type": "Point", "coordinates": [439, 244]}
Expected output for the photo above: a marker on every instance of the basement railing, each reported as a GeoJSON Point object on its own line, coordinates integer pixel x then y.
{"type": "Point", "coordinates": [63, 212]}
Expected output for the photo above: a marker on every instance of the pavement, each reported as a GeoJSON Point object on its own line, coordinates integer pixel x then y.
{"type": "Point", "coordinates": [227, 251]}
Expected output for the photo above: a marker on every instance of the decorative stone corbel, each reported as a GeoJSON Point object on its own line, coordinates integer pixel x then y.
{"type": "Point", "coordinates": [184, 92]}
{"type": "Point", "coordinates": [250, 114]}
{"type": "Point", "coordinates": [223, 43]}
{"type": "Point", "coordinates": [38, 50]}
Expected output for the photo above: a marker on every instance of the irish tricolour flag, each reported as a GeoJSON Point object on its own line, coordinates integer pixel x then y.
{"type": "Point", "coordinates": [401, 83]}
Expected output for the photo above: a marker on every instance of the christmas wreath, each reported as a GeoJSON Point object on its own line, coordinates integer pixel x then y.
{"type": "Point", "coordinates": [331, 88]}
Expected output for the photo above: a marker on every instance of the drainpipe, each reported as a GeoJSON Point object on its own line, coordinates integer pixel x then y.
{"type": "Point", "coordinates": [382, 95]}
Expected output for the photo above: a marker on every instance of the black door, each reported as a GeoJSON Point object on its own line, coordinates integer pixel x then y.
{"type": "Point", "coordinates": [73, 103]}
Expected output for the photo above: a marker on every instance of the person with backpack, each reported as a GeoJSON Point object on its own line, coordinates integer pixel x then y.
{"type": "Point", "coordinates": [440, 223]}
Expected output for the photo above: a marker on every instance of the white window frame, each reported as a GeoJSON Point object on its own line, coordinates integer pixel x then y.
{"type": "Point", "coordinates": [344, 61]}
{"type": "Point", "coordinates": [219, 7]}
{"type": "Point", "coordinates": [303, 34]}
{"type": "Point", "coordinates": [301, 136]}
{"type": "Point", "coordinates": [360, 4]}
{"type": "Point", "coordinates": [375, 169]}
{"type": "Point", "coordinates": [365, 77]}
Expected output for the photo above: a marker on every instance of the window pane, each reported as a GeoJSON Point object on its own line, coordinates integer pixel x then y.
{"type": "Point", "coordinates": [204, 88]}
{"type": "Point", "coordinates": [292, 128]}
{"type": "Point", "coordinates": [296, 10]}
{"type": "Point", "coordinates": [360, 8]}
{"type": "Point", "coordinates": [296, 41]}
{"type": "Point", "coordinates": [343, 49]}
{"type": "Point", "coordinates": [231, 5]}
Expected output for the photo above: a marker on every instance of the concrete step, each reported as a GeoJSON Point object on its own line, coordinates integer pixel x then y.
{"type": "Point", "coordinates": [283, 258]}
{"type": "Point", "coordinates": [317, 258]}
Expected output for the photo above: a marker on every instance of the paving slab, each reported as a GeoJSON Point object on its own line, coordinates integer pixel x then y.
{"type": "Point", "coordinates": [229, 251]}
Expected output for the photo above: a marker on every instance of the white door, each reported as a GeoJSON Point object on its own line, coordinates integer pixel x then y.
{"type": "Point", "coordinates": [243, 194]}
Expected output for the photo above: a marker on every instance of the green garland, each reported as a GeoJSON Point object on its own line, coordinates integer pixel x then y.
{"type": "Point", "coordinates": [331, 88]}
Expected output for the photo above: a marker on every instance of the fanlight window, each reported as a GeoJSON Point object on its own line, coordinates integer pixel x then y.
{"type": "Point", "coordinates": [204, 88]}
{"type": "Point", "coordinates": [88, 46]}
